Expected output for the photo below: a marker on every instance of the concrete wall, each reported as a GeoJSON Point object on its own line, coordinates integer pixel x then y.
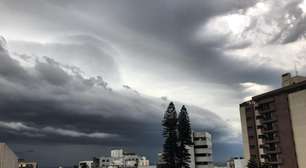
{"type": "Point", "coordinates": [245, 138]}
{"type": "Point", "coordinates": [192, 159]}
{"type": "Point", "coordinates": [240, 163]}
{"type": "Point", "coordinates": [285, 132]}
{"type": "Point", "coordinates": [8, 159]}
{"type": "Point", "coordinates": [297, 103]}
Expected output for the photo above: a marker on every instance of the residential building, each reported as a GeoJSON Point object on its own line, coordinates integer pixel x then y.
{"type": "Point", "coordinates": [273, 125]}
{"type": "Point", "coordinates": [27, 164]}
{"type": "Point", "coordinates": [237, 162]}
{"type": "Point", "coordinates": [121, 159]}
{"type": "Point", "coordinates": [201, 152]}
{"type": "Point", "coordinates": [8, 158]}
{"type": "Point", "coordinates": [160, 161]}
{"type": "Point", "coordinates": [86, 164]}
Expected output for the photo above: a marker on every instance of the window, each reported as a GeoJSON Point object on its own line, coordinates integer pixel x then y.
{"type": "Point", "coordinates": [202, 163]}
{"type": "Point", "coordinates": [201, 146]}
{"type": "Point", "coordinates": [201, 154]}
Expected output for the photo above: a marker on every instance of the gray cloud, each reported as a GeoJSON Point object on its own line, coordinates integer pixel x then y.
{"type": "Point", "coordinates": [48, 104]}
{"type": "Point", "coordinates": [59, 52]}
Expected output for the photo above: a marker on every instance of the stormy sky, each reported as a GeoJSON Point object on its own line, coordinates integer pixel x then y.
{"type": "Point", "coordinates": [78, 78]}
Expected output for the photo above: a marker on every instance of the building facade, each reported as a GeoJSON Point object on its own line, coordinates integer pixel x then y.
{"type": "Point", "coordinates": [201, 152]}
{"type": "Point", "coordinates": [86, 164]}
{"type": "Point", "coordinates": [236, 162]}
{"type": "Point", "coordinates": [273, 125]}
{"type": "Point", "coordinates": [27, 164]}
{"type": "Point", "coordinates": [8, 158]}
{"type": "Point", "coordinates": [121, 159]}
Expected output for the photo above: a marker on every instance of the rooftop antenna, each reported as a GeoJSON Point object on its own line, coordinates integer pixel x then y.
{"type": "Point", "coordinates": [295, 68]}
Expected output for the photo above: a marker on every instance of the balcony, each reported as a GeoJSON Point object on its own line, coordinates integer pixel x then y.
{"type": "Point", "coordinates": [269, 109]}
{"type": "Point", "coordinates": [274, 140]}
{"type": "Point", "coordinates": [277, 162]}
{"type": "Point", "coordinates": [268, 120]}
{"type": "Point", "coordinates": [202, 150]}
{"type": "Point", "coordinates": [271, 161]}
{"type": "Point", "coordinates": [266, 130]}
{"type": "Point", "coordinates": [202, 143]}
{"type": "Point", "coordinates": [272, 151]}
{"type": "Point", "coordinates": [203, 159]}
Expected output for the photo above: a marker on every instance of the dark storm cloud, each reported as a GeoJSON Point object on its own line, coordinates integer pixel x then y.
{"type": "Point", "coordinates": [143, 26]}
{"type": "Point", "coordinates": [94, 55]}
{"type": "Point", "coordinates": [47, 104]}
{"type": "Point", "coordinates": [172, 24]}
{"type": "Point", "coordinates": [157, 39]}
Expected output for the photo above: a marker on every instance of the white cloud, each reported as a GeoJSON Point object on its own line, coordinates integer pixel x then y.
{"type": "Point", "coordinates": [30, 131]}
{"type": "Point", "coordinates": [18, 126]}
{"type": "Point", "coordinates": [253, 89]}
{"type": "Point", "coordinates": [71, 133]}
{"type": "Point", "coordinates": [269, 33]}
{"type": "Point", "coordinates": [302, 5]}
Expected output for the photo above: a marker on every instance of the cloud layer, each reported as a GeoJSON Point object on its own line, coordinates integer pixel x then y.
{"type": "Point", "coordinates": [51, 103]}
{"type": "Point", "coordinates": [100, 67]}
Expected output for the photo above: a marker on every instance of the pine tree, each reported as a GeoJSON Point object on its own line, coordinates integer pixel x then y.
{"type": "Point", "coordinates": [170, 134]}
{"type": "Point", "coordinates": [184, 138]}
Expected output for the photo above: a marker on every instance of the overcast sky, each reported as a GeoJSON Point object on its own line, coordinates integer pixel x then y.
{"type": "Point", "coordinates": [78, 78]}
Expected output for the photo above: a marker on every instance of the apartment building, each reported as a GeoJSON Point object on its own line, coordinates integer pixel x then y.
{"type": "Point", "coordinates": [236, 162]}
{"type": "Point", "coordinates": [201, 152]}
{"type": "Point", "coordinates": [27, 164]}
{"type": "Point", "coordinates": [274, 124]}
{"type": "Point", "coordinates": [8, 158]}
{"type": "Point", "coordinates": [121, 159]}
{"type": "Point", "coordinates": [86, 164]}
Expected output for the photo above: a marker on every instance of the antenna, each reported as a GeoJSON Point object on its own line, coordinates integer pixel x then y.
{"type": "Point", "coordinates": [295, 68]}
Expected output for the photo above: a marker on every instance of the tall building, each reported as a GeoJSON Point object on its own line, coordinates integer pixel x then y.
{"type": "Point", "coordinates": [274, 124]}
{"type": "Point", "coordinates": [201, 152]}
{"type": "Point", "coordinates": [8, 158]}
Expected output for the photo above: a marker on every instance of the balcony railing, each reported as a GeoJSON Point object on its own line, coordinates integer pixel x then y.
{"type": "Point", "coordinates": [269, 130]}
{"type": "Point", "coordinates": [274, 140]}
{"type": "Point", "coordinates": [268, 120]}
{"type": "Point", "coordinates": [272, 151]}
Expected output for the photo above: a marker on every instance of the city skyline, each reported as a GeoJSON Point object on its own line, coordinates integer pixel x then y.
{"type": "Point", "coordinates": [79, 78]}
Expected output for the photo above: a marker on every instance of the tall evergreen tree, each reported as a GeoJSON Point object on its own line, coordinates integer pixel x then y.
{"type": "Point", "coordinates": [170, 134]}
{"type": "Point", "coordinates": [184, 138]}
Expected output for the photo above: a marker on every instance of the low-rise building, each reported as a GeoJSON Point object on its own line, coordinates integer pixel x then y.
{"type": "Point", "coordinates": [121, 159]}
{"type": "Point", "coordinates": [27, 164]}
{"type": "Point", "coordinates": [86, 164]}
{"type": "Point", "coordinates": [237, 162]}
{"type": "Point", "coordinates": [8, 158]}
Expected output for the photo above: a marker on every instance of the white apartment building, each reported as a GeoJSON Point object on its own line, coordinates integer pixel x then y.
{"type": "Point", "coordinates": [86, 164]}
{"type": "Point", "coordinates": [8, 158]}
{"type": "Point", "coordinates": [201, 152]}
{"type": "Point", "coordinates": [237, 162]}
{"type": "Point", "coordinates": [121, 159]}
{"type": "Point", "coordinates": [26, 164]}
